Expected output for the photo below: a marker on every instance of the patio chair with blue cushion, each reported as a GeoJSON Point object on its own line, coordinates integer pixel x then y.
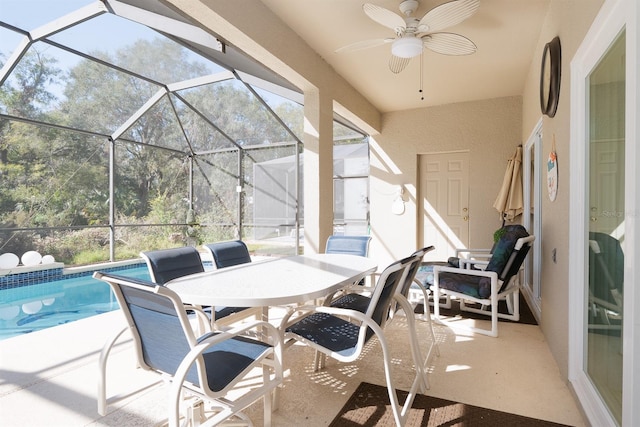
{"type": "Point", "coordinates": [485, 283]}
{"type": "Point", "coordinates": [342, 332]}
{"type": "Point", "coordinates": [201, 371]}
{"type": "Point", "coordinates": [168, 264]}
{"type": "Point", "coordinates": [462, 258]}
{"type": "Point", "coordinates": [350, 245]}
{"type": "Point", "coordinates": [228, 254]}
{"type": "Point", "coordinates": [354, 245]}
{"type": "Point", "coordinates": [359, 300]}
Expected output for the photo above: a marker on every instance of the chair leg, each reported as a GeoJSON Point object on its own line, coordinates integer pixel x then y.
{"type": "Point", "coordinates": [400, 412]}
{"type": "Point", "coordinates": [419, 363]}
{"type": "Point", "coordinates": [493, 332]}
{"type": "Point", "coordinates": [494, 318]}
{"type": "Point", "coordinates": [434, 342]}
{"type": "Point", "coordinates": [513, 305]}
{"type": "Point", "coordinates": [319, 361]}
{"type": "Point", "coordinates": [195, 412]}
{"type": "Point", "coordinates": [268, 399]}
{"type": "Point", "coordinates": [102, 366]}
{"type": "Point", "coordinates": [427, 317]}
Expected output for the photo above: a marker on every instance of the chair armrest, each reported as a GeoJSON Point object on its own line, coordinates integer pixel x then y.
{"type": "Point", "coordinates": [469, 264]}
{"type": "Point", "coordinates": [241, 329]}
{"type": "Point", "coordinates": [442, 269]}
{"type": "Point", "coordinates": [468, 253]}
{"type": "Point", "coordinates": [354, 288]}
{"type": "Point", "coordinates": [203, 319]}
{"type": "Point", "coordinates": [214, 338]}
{"type": "Point", "coordinates": [305, 310]}
{"type": "Point", "coordinates": [473, 258]}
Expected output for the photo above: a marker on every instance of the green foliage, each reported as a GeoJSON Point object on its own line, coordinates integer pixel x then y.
{"type": "Point", "coordinates": [56, 180]}
{"type": "Point", "coordinates": [91, 257]}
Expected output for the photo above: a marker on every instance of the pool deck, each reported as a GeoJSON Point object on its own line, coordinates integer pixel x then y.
{"type": "Point", "coordinates": [49, 378]}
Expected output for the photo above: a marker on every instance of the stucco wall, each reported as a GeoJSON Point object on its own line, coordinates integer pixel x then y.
{"type": "Point", "coordinates": [489, 130]}
{"type": "Point", "coordinates": [570, 21]}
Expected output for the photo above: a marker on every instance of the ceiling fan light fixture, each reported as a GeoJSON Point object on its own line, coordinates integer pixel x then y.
{"type": "Point", "coordinates": [407, 47]}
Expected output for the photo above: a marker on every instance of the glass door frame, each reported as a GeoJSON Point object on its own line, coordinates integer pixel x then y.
{"type": "Point", "coordinates": [532, 157]}
{"type": "Point", "coordinates": [614, 17]}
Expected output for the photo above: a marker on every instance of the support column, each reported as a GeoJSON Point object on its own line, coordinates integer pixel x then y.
{"type": "Point", "coordinates": [318, 171]}
{"type": "Point", "coordinates": [112, 200]}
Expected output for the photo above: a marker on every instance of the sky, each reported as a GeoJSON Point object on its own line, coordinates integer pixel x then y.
{"type": "Point", "coordinates": [106, 32]}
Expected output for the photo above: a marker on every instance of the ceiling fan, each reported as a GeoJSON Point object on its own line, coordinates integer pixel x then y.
{"type": "Point", "coordinates": [413, 34]}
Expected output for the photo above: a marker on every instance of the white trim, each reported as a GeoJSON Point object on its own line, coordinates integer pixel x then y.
{"type": "Point", "coordinates": [534, 142]}
{"type": "Point", "coordinates": [631, 331]}
{"type": "Point", "coordinates": [610, 21]}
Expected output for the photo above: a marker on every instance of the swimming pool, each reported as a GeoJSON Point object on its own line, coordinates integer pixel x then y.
{"type": "Point", "coordinates": [26, 309]}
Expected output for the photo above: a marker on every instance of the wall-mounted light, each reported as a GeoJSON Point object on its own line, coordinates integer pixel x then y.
{"type": "Point", "coordinates": [397, 207]}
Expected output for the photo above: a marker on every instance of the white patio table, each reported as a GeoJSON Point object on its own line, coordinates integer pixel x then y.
{"type": "Point", "coordinates": [276, 282]}
{"type": "Point", "coordinates": [273, 282]}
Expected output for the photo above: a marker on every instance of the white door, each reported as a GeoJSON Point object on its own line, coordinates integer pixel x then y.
{"type": "Point", "coordinates": [444, 201]}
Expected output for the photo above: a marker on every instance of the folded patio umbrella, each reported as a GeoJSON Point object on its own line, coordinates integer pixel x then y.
{"type": "Point", "coordinates": [510, 201]}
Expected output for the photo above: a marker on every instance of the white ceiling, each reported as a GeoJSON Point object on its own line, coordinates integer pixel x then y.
{"type": "Point", "coordinates": [505, 31]}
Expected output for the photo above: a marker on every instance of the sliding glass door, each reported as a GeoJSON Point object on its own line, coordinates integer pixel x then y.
{"type": "Point", "coordinates": [604, 341]}
{"type": "Point", "coordinates": [606, 226]}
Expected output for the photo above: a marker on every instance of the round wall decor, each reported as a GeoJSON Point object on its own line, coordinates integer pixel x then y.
{"type": "Point", "coordinates": [550, 74]}
{"type": "Point", "coordinates": [552, 172]}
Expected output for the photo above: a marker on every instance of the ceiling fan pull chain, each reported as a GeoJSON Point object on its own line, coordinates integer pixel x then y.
{"type": "Point", "coordinates": [421, 76]}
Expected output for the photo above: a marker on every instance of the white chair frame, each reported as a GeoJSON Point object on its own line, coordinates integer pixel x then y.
{"type": "Point", "coordinates": [364, 320]}
{"type": "Point", "coordinates": [272, 377]}
{"type": "Point", "coordinates": [511, 293]}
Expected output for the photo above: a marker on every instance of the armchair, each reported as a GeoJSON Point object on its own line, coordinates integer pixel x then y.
{"type": "Point", "coordinates": [487, 284]}
{"type": "Point", "coordinates": [356, 300]}
{"type": "Point", "coordinates": [341, 332]}
{"type": "Point", "coordinates": [199, 369]}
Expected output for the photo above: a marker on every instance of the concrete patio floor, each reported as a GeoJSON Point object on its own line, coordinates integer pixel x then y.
{"type": "Point", "coordinates": [49, 378]}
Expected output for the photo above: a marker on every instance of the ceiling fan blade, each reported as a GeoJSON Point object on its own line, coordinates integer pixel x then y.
{"type": "Point", "coordinates": [449, 44]}
{"type": "Point", "coordinates": [447, 15]}
{"type": "Point", "coordinates": [365, 44]}
{"type": "Point", "coordinates": [397, 64]}
{"type": "Point", "coordinates": [385, 17]}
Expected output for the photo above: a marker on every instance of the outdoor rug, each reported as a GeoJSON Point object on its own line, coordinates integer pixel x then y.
{"type": "Point", "coordinates": [369, 406]}
{"type": "Point", "coordinates": [526, 316]}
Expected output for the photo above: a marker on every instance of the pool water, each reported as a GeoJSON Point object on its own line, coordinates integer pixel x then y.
{"type": "Point", "coordinates": [32, 308]}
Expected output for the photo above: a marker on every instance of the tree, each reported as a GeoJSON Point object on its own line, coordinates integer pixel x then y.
{"type": "Point", "coordinates": [57, 176]}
